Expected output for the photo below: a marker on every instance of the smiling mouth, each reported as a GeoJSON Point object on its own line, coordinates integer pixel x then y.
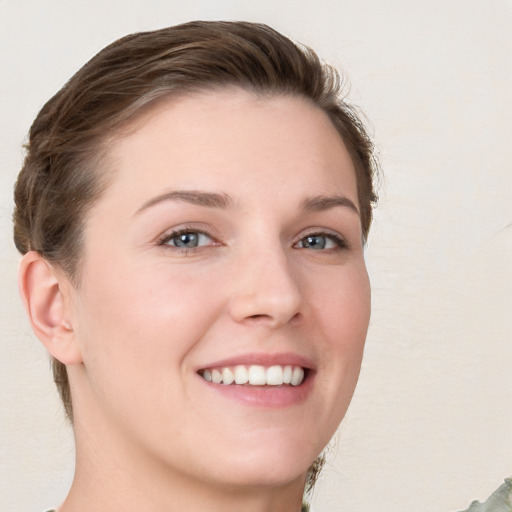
{"type": "Point", "coordinates": [256, 375]}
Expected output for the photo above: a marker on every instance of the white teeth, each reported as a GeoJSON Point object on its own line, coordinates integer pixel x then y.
{"type": "Point", "coordinates": [216, 376]}
{"type": "Point", "coordinates": [298, 376]}
{"type": "Point", "coordinates": [255, 375]}
{"type": "Point", "coordinates": [275, 375]}
{"type": "Point", "coordinates": [287, 374]}
{"type": "Point", "coordinates": [241, 375]}
{"type": "Point", "coordinates": [227, 376]}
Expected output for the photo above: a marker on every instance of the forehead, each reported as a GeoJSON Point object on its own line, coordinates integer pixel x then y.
{"type": "Point", "coordinates": [219, 138]}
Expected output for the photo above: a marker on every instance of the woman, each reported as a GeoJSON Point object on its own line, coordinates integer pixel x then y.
{"type": "Point", "coordinates": [192, 212]}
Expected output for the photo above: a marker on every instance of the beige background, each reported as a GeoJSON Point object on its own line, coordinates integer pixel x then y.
{"type": "Point", "coordinates": [430, 428]}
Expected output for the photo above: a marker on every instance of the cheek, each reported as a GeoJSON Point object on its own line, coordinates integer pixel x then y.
{"type": "Point", "coordinates": [137, 331]}
{"type": "Point", "coordinates": [343, 304]}
{"type": "Point", "coordinates": [343, 312]}
{"type": "Point", "coordinates": [146, 315]}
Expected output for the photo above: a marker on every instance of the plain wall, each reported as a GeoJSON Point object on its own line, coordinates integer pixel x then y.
{"type": "Point", "coordinates": [430, 427]}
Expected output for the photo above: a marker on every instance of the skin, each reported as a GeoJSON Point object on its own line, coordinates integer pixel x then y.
{"type": "Point", "coordinates": [151, 434]}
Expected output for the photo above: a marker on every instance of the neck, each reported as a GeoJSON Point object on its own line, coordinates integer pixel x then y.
{"type": "Point", "coordinates": [113, 474]}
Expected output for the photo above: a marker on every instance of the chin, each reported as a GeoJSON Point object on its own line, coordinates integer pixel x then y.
{"type": "Point", "coordinates": [272, 464]}
{"type": "Point", "coordinates": [268, 476]}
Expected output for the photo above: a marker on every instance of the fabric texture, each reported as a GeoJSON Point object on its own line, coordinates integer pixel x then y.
{"type": "Point", "coordinates": [499, 501]}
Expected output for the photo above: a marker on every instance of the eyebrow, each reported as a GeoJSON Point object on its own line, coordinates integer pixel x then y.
{"type": "Point", "coordinates": [214, 200]}
{"type": "Point", "coordinates": [208, 199]}
{"type": "Point", "coordinates": [321, 203]}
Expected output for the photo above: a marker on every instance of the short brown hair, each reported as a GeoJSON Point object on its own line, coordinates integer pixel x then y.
{"type": "Point", "coordinates": [60, 178]}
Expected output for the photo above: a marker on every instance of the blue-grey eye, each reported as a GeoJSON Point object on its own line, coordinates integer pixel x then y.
{"type": "Point", "coordinates": [319, 242]}
{"type": "Point", "coordinates": [188, 240]}
{"type": "Point", "coordinates": [314, 242]}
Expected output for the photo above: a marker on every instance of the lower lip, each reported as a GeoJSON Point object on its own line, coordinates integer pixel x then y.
{"type": "Point", "coordinates": [265, 396]}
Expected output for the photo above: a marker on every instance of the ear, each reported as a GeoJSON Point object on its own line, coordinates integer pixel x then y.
{"type": "Point", "coordinates": [43, 293]}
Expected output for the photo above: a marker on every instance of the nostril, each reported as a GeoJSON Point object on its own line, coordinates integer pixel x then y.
{"type": "Point", "coordinates": [271, 319]}
{"type": "Point", "coordinates": [260, 319]}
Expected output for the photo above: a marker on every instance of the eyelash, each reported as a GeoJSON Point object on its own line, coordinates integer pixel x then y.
{"type": "Point", "coordinates": [339, 242]}
{"type": "Point", "coordinates": [164, 241]}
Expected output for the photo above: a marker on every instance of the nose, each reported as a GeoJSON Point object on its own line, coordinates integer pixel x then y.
{"type": "Point", "coordinates": [266, 290]}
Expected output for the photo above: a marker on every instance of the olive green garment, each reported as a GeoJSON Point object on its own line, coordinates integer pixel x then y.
{"type": "Point", "coordinates": [500, 501]}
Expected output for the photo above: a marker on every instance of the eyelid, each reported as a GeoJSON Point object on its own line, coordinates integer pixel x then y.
{"type": "Point", "coordinates": [175, 232]}
{"type": "Point", "coordinates": [340, 241]}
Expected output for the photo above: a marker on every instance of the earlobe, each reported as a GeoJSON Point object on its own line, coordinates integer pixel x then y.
{"type": "Point", "coordinates": [43, 296]}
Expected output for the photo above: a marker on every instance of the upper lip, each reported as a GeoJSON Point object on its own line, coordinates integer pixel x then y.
{"type": "Point", "coordinates": [263, 359]}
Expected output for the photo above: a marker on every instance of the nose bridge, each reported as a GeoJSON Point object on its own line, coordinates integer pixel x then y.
{"type": "Point", "coordinates": [267, 288]}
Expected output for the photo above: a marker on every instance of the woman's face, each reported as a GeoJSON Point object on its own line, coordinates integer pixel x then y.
{"type": "Point", "coordinates": [227, 245]}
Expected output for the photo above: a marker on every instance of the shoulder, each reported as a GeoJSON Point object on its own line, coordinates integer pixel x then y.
{"type": "Point", "coordinates": [499, 501]}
